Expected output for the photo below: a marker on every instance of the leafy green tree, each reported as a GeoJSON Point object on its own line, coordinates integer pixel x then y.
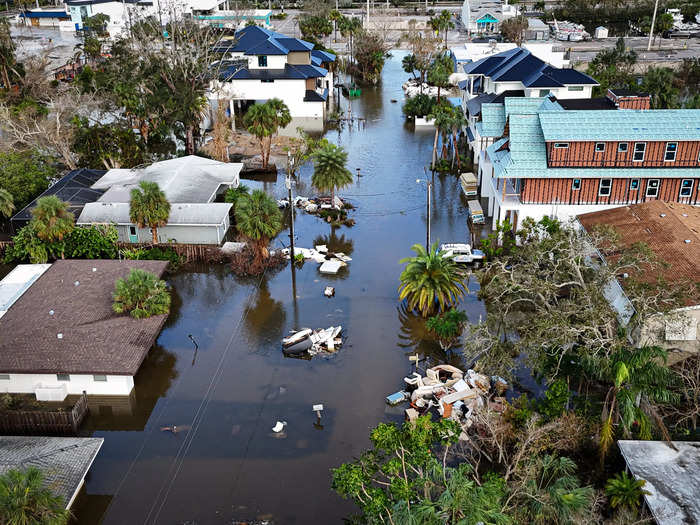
{"type": "Point", "coordinates": [447, 327]}
{"type": "Point", "coordinates": [640, 381]}
{"type": "Point", "coordinates": [259, 219]}
{"type": "Point", "coordinates": [141, 295]}
{"type": "Point", "coordinates": [24, 175]}
{"type": "Point", "coordinates": [26, 246]}
{"type": "Point", "coordinates": [410, 64]}
{"type": "Point", "coordinates": [431, 280]}
{"type": "Point", "coordinates": [371, 52]}
{"type": "Point", "coordinates": [335, 16]}
{"type": "Point", "coordinates": [419, 105]}
{"type": "Point", "coordinates": [315, 28]}
{"type": "Point", "coordinates": [439, 76]}
{"type": "Point", "coordinates": [555, 400]}
{"type": "Point", "coordinates": [7, 206]}
{"type": "Point", "coordinates": [113, 145]}
{"type": "Point", "coordinates": [98, 241]}
{"type": "Point", "coordinates": [25, 500]}
{"type": "Point", "coordinates": [263, 121]}
{"type": "Point", "coordinates": [233, 195]}
{"type": "Point", "coordinates": [10, 70]}
{"type": "Point", "coordinates": [623, 490]}
{"type": "Point", "coordinates": [659, 83]}
{"type": "Point", "coordinates": [149, 207]}
{"type": "Point", "coordinates": [51, 220]}
{"type": "Point", "coordinates": [330, 171]}
{"type": "Point", "coordinates": [350, 27]}
{"type": "Point", "coordinates": [442, 23]}
{"type": "Point", "coordinates": [444, 119]}
{"type": "Point", "coordinates": [613, 68]}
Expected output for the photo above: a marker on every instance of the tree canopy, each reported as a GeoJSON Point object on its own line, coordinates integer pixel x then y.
{"type": "Point", "coordinates": [149, 207]}
{"type": "Point", "coordinates": [25, 500]}
{"type": "Point", "coordinates": [141, 295]}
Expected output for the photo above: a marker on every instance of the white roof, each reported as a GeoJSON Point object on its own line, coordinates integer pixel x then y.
{"type": "Point", "coordinates": [17, 282]}
{"type": "Point", "coordinates": [185, 179]}
{"type": "Point", "coordinates": [181, 214]}
{"type": "Point", "coordinates": [672, 477]}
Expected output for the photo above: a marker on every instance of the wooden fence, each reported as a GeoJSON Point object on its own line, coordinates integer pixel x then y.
{"type": "Point", "coordinates": [190, 252]}
{"type": "Point", "coordinates": [33, 422]}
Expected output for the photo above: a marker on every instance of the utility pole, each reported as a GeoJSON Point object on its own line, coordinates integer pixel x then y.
{"type": "Point", "coordinates": [653, 21]}
{"type": "Point", "coordinates": [427, 233]}
{"type": "Point", "coordinates": [288, 183]}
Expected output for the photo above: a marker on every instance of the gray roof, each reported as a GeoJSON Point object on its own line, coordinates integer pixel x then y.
{"type": "Point", "coordinates": [200, 214]}
{"type": "Point", "coordinates": [63, 461]}
{"type": "Point", "coordinates": [184, 179]}
{"type": "Point", "coordinates": [672, 477]}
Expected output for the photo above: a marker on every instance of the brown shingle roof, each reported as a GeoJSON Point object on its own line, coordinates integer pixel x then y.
{"type": "Point", "coordinates": [664, 227]}
{"type": "Point", "coordinates": [95, 339]}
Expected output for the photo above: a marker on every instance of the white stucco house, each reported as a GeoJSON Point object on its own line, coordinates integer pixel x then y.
{"type": "Point", "coordinates": [60, 335]}
{"type": "Point", "coordinates": [485, 16]}
{"type": "Point", "coordinates": [259, 64]}
{"type": "Point", "coordinates": [191, 184]}
{"type": "Point", "coordinates": [553, 54]}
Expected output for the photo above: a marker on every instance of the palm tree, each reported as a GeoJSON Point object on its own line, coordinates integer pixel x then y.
{"type": "Point", "coordinates": [431, 281]}
{"type": "Point", "coordinates": [623, 490]}
{"type": "Point", "coordinates": [259, 219]}
{"type": "Point", "coordinates": [7, 205]}
{"type": "Point", "coordinates": [443, 119]}
{"type": "Point", "coordinates": [25, 500]}
{"type": "Point", "coordinates": [264, 120]}
{"type": "Point", "coordinates": [51, 220]}
{"type": "Point", "coordinates": [330, 172]}
{"type": "Point", "coordinates": [639, 380]}
{"type": "Point", "coordinates": [141, 295]}
{"type": "Point", "coordinates": [149, 208]}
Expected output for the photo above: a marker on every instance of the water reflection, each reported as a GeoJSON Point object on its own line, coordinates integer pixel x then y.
{"type": "Point", "coordinates": [266, 317]}
{"type": "Point", "coordinates": [335, 243]}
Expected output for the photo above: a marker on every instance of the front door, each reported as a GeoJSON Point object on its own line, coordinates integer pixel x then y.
{"type": "Point", "coordinates": [133, 236]}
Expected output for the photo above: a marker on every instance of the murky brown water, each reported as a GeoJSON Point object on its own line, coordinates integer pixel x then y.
{"type": "Point", "coordinates": [226, 464]}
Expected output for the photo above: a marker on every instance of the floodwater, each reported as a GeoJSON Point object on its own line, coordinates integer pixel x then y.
{"type": "Point", "coordinates": [225, 464]}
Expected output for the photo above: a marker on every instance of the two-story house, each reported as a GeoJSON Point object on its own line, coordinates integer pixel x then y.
{"type": "Point", "coordinates": [259, 64]}
{"type": "Point", "coordinates": [556, 162]}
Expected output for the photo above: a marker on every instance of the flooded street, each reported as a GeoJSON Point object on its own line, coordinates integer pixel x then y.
{"type": "Point", "coordinates": [225, 464]}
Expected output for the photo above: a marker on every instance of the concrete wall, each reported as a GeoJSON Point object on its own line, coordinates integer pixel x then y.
{"type": "Point", "coordinates": [291, 92]}
{"type": "Point", "coordinates": [28, 383]}
{"type": "Point", "coordinates": [654, 332]}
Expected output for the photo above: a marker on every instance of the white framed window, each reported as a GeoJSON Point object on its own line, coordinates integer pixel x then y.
{"type": "Point", "coordinates": [561, 145]}
{"type": "Point", "coordinates": [640, 149]}
{"type": "Point", "coordinates": [63, 377]}
{"type": "Point", "coordinates": [634, 184]}
{"type": "Point", "coordinates": [576, 184]}
{"type": "Point", "coordinates": [599, 147]}
{"type": "Point", "coordinates": [622, 147]}
{"type": "Point", "coordinates": [671, 150]}
{"type": "Point", "coordinates": [99, 378]}
{"type": "Point", "coordinates": [653, 188]}
{"type": "Point", "coordinates": [687, 187]}
{"type": "Point", "coordinates": [605, 187]}
{"type": "Point", "coordinates": [574, 88]}
{"type": "Point", "coordinates": [4, 377]}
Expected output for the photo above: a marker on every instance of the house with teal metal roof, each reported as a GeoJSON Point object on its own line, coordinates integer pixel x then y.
{"type": "Point", "coordinates": [545, 160]}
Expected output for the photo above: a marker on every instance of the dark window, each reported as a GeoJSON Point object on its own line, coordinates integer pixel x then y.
{"type": "Point", "coordinates": [99, 377]}
{"type": "Point", "coordinates": [267, 80]}
{"type": "Point", "coordinates": [5, 377]}
{"type": "Point", "coordinates": [652, 187]}
{"type": "Point", "coordinates": [622, 147]}
{"type": "Point", "coordinates": [561, 145]}
{"type": "Point", "coordinates": [686, 187]}
{"type": "Point", "coordinates": [63, 377]}
{"type": "Point", "coordinates": [262, 61]}
{"type": "Point", "coordinates": [544, 92]}
{"type": "Point", "coordinates": [604, 187]}
{"type": "Point", "coordinates": [639, 149]}
{"type": "Point", "coordinates": [132, 230]}
{"type": "Point", "coordinates": [600, 146]}
{"type": "Point", "coordinates": [634, 184]}
{"type": "Point", "coordinates": [576, 184]}
{"type": "Point", "coordinates": [671, 148]}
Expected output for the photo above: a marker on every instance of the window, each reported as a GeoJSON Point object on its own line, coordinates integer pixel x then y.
{"type": "Point", "coordinates": [671, 148]}
{"type": "Point", "coordinates": [4, 377]}
{"type": "Point", "coordinates": [561, 145]}
{"type": "Point", "coordinates": [576, 184]}
{"type": "Point", "coordinates": [599, 147]}
{"type": "Point", "coordinates": [622, 147]}
{"type": "Point", "coordinates": [544, 92]}
{"type": "Point", "coordinates": [574, 88]}
{"type": "Point", "coordinates": [63, 377]}
{"type": "Point", "coordinates": [99, 378]}
{"type": "Point", "coordinates": [686, 187]}
{"type": "Point", "coordinates": [605, 187]}
{"type": "Point", "coordinates": [262, 61]}
{"type": "Point", "coordinates": [639, 149]}
{"type": "Point", "coordinates": [652, 188]}
{"type": "Point", "coordinates": [634, 184]}
{"type": "Point", "coordinates": [267, 80]}
{"type": "Point", "coordinates": [132, 230]}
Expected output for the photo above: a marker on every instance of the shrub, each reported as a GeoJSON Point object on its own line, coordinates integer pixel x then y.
{"type": "Point", "coordinates": [92, 242]}
{"type": "Point", "coordinates": [555, 400]}
{"type": "Point", "coordinates": [447, 327]}
{"type": "Point", "coordinates": [419, 106]}
{"type": "Point", "coordinates": [141, 295]}
{"type": "Point", "coordinates": [623, 490]}
{"type": "Point", "coordinates": [153, 254]}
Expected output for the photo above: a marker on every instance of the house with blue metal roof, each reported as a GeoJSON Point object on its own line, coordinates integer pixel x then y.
{"type": "Point", "coordinates": [519, 69]}
{"type": "Point", "coordinates": [258, 64]}
{"type": "Point", "coordinates": [546, 160]}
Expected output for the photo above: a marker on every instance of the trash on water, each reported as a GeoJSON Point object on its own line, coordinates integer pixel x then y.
{"type": "Point", "coordinates": [312, 342]}
{"type": "Point", "coordinates": [279, 426]}
{"type": "Point", "coordinates": [329, 291]}
{"type": "Point", "coordinates": [331, 267]}
{"type": "Point", "coordinates": [397, 397]}
{"type": "Point", "coordinates": [321, 248]}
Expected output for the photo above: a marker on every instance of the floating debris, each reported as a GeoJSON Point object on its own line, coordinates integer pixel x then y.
{"type": "Point", "coordinates": [329, 291]}
{"type": "Point", "coordinates": [307, 342]}
{"type": "Point", "coordinates": [279, 426]}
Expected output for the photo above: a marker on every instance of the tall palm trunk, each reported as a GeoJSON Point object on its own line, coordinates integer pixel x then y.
{"type": "Point", "coordinates": [189, 140]}
{"type": "Point", "coordinates": [432, 165]}
{"type": "Point", "coordinates": [154, 233]}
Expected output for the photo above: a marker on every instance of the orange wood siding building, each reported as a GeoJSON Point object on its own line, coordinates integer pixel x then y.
{"type": "Point", "coordinates": [623, 154]}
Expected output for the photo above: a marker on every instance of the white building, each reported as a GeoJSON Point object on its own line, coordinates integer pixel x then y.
{"type": "Point", "coordinates": [60, 335]}
{"type": "Point", "coordinates": [191, 184]}
{"type": "Point", "coordinates": [259, 64]}
{"type": "Point", "coordinates": [485, 16]}
{"type": "Point", "coordinates": [469, 52]}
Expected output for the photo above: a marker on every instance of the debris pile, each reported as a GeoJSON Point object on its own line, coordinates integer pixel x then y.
{"type": "Point", "coordinates": [331, 262]}
{"type": "Point", "coordinates": [453, 393]}
{"type": "Point", "coordinates": [412, 87]}
{"type": "Point", "coordinates": [308, 342]}
{"type": "Point", "coordinates": [313, 205]}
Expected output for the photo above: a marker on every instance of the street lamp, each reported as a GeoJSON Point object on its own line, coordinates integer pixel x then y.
{"type": "Point", "coordinates": [427, 232]}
